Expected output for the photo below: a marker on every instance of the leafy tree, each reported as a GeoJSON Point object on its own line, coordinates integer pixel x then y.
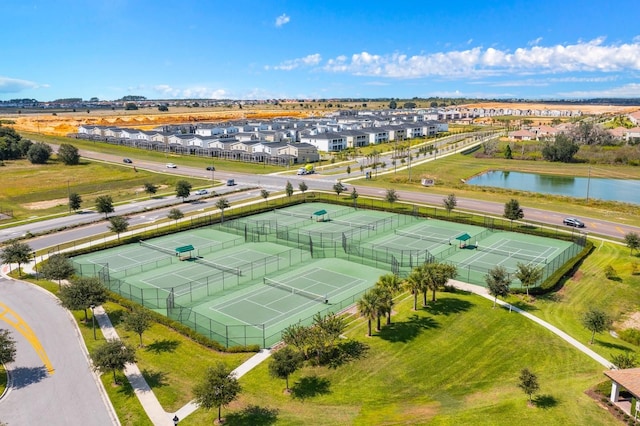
{"type": "Point", "coordinates": [218, 388]}
{"type": "Point", "coordinates": [104, 204]}
{"type": "Point", "coordinates": [81, 293]}
{"type": "Point", "coordinates": [264, 194]}
{"type": "Point", "coordinates": [625, 360]}
{"type": "Point", "coordinates": [299, 337]}
{"type": "Point", "coordinates": [175, 214]}
{"type": "Point", "coordinates": [57, 267]}
{"type": "Point", "coordinates": [338, 188]}
{"type": "Point", "coordinates": [16, 252]}
{"type": "Point", "coordinates": [391, 196]}
{"type": "Point", "coordinates": [303, 187]}
{"type": "Point", "coordinates": [450, 203]}
{"type": "Point", "coordinates": [39, 153]}
{"type": "Point", "coordinates": [596, 321]}
{"type": "Point", "coordinates": [75, 201]}
{"type": "Point", "coordinates": [348, 170]}
{"type": "Point", "coordinates": [183, 189]}
{"type": "Point", "coordinates": [7, 347]}
{"type": "Point", "coordinates": [284, 363]}
{"type": "Point", "coordinates": [507, 153]}
{"type": "Point", "coordinates": [528, 274]}
{"type": "Point", "coordinates": [368, 307]}
{"type": "Point", "coordinates": [393, 105]}
{"type": "Point", "coordinates": [118, 224]}
{"type": "Point", "coordinates": [528, 383]}
{"type": "Point", "coordinates": [130, 106]}
{"type": "Point", "coordinates": [498, 282]}
{"type": "Point", "coordinates": [113, 355]}
{"type": "Point", "coordinates": [150, 188]}
{"type": "Point", "coordinates": [562, 149]}
{"type": "Point", "coordinates": [138, 321]}
{"type": "Point", "coordinates": [68, 154]}
{"type": "Point", "coordinates": [632, 240]}
{"type": "Point", "coordinates": [288, 189]}
{"type": "Point", "coordinates": [513, 211]}
{"type": "Point", "coordinates": [163, 108]}
{"type": "Point", "coordinates": [222, 204]}
{"type": "Point", "coordinates": [354, 196]}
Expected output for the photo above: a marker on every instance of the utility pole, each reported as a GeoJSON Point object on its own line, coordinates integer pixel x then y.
{"type": "Point", "coordinates": [588, 183]}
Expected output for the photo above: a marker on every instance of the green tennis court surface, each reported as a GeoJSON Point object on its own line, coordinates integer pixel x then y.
{"type": "Point", "coordinates": [244, 281]}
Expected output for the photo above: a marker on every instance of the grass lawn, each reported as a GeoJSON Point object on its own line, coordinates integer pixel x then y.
{"type": "Point", "coordinates": [32, 190]}
{"type": "Point", "coordinates": [450, 171]}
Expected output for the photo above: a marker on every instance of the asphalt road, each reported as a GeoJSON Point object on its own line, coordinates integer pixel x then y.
{"type": "Point", "coordinates": [69, 396]}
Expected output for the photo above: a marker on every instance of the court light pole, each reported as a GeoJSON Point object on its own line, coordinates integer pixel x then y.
{"type": "Point", "coordinates": [93, 320]}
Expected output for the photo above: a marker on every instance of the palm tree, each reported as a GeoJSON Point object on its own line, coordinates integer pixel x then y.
{"type": "Point", "coordinates": [413, 284]}
{"type": "Point", "coordinates": [436, 276]}
{"type": "Point", "coordinates": [222, 204]}
{"type": "Point", "coordinates": [367, 306]}
{"type": "Point", "coordinates": [392, 284]}
{"type": "Point", "coordinates": [385, 304]}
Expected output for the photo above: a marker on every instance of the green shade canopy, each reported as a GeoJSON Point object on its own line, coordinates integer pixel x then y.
{"type": "Point", "coordinates": [320, 213]}
{"type": "Point", "coordinates": [463, 237]}
{"type": "Point", "coordinates": [183, 249]}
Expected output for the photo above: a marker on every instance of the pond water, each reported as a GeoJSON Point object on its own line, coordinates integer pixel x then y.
{"type": "Point", "coordinates": [624, 190]}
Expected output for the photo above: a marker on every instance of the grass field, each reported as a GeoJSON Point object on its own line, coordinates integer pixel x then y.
{"type": "Point", "coordinates": [40, 190]}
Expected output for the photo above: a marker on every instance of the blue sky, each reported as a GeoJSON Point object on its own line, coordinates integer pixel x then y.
{"type": "Point", "coordinates": [239, 49]}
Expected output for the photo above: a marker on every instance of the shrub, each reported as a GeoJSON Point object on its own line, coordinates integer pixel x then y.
{"type": "Point", "coordinates": [610, 273]}
{"type": "Point", "coordinates": [630, 335]}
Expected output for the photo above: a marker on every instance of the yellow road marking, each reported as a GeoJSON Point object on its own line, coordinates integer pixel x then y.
{"type": "Point", "coordinates": [13, 319]}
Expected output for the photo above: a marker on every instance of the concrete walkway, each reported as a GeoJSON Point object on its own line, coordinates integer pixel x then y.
{"type": "Point", "coordinates": [484, 292]}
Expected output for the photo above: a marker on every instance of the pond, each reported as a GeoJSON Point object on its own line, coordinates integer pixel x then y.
{"type": "Point", "coordinates": [623, 190]}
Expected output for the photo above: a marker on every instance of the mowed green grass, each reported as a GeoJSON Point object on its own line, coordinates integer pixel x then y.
{"type": "Point", "coordinates": [455, 362]}
{"type": "Point", "coordinates": [25, 184]}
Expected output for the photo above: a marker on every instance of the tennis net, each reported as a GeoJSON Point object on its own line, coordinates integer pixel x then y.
{"type": "Point", "coordinates": [354, 224]}
{"type": "Point", "coordinates": [158, 248]}
{"type": "Point", "coordinates": [235, 271]}
{"type": "Point", "coordinates": [516, 254]}
{"type": "Point", "coordinates": [293, 290]}
{"type": "Point", "coordinates": [417, 236]}
{"type": "Point", "coordinates": [292, 214]}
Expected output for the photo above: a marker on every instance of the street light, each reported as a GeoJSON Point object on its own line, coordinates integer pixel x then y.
{"type": "Point", "coordinates": [175, 420]}
{"type": "Point", "coordinates": [93, 320]}
{"type": "Point", "coordinates": [35, 263]}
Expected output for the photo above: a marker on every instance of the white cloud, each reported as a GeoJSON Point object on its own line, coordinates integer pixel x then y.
{"type": "Point", "coordinates": [167, 91]}
{"type": "Point", "coordinates": [589, 56]}
{"type": "Point", "coordinates": [631, 90]}
{"type": "Point", "coordinates": [15, 85]}
{"type": "Point", "coordinates": [282, 19]}
{"type": "Point", "coordinates": [309, 60]}
{"type": "Point", "coordinates": [535, 42]}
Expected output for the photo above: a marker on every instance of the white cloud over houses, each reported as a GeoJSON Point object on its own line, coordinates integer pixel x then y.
{"type": "Point", "coordinates": [166, 91]}
{"type": "Point", "coordinates": [15, 85]}
{"type": "Point", "coordinates": [582, 56]}
{"type": "Point", "coordinates": [282, 19]}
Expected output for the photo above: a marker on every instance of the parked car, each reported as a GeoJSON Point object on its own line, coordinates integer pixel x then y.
{"type": "Point", "coordinates": [127, 160]}
{"type": "Point", "coordinates": [572, 221]}
{"type": "Point", "coordinates": [302, 171]}
{"type": "Point", "coordinates": [211, 168]}
{"type": "Point", "coordinates": [231, 182]}
{"type": "Point", "coordinates": [342, 186]}
{"type": "Point", "coordinates": [201, 192]}
{"type": "Point", "coordinates": [171, 166]}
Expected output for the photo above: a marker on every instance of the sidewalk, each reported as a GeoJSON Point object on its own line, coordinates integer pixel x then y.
{"type": "Point", "coordinates": [482, 291]}
{"type": "Point", "coordinates": [157, 415]}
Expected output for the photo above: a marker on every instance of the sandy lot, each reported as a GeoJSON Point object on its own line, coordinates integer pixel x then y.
{"type": "Point", "coordinates": [68, 122]}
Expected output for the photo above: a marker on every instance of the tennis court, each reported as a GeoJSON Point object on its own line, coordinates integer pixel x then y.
{"type": "Point", "coordinates": [244, 281]}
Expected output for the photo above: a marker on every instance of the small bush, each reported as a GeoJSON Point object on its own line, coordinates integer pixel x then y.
{"type": "Point", "coordinates": [610, 273]}
{"type": "Point", "coordinates": [630, 335]}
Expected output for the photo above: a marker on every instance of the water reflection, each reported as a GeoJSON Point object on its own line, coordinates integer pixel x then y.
{"type": "Point", "coordinates": [627, 191]}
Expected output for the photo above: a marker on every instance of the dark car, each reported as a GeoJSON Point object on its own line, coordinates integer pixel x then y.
{"type": "Point", "coordinates": [127, 160]}
{"type": "Point", "coordinates": [211, 168]}
{"type": "Point", "coordinates": [572, 221]}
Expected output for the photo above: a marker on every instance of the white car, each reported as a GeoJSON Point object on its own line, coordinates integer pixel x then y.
{"type": "Point", "coordinates": [201, 192]}
{"type": "Point", "coordinates": [572, 221]}
{"type": "Point", "coordinates": [171, 166]}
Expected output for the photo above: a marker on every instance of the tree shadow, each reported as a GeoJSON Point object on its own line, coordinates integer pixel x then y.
{"type": "Point", "coordinates": [610, 345]}
{"type": "Point", "coordinates": [448, 306]}
{"type": "Point", "coordinates": [403, 332]}
{"type": "Point", "coordinates": [522, 305]}
{"type": "Point", "coordinates": [116, 316]}
{"type": "Point", "coordinates": [545, 401]}
{"type": "Point", "coordinates": [347, 351]}
{"type": "Point", "coordinates": [160, 346]}
{"type": "Point", "coordinates": [155, 379]}
{"type": "Point", "coordinates": [616, 279]}
{"type": "Point", "coordinates": [22, 377]}
{"type": "Point", "coordinates": [252, 416]}
{"type": "Point", "coordinates": [308, 387]}
{"type": "Point", "coordinates": [124, 387]}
